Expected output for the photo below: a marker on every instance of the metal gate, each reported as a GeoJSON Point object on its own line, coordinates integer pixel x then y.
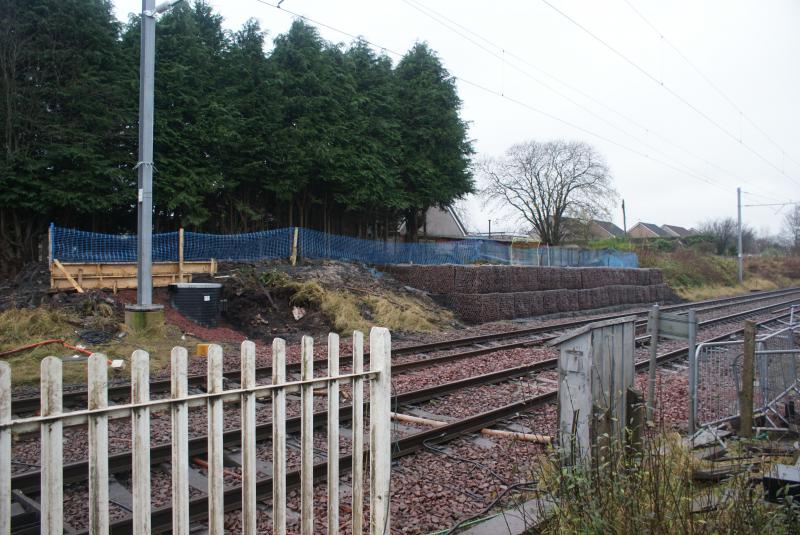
{"type": "Point", "coordinates": [718, 376]}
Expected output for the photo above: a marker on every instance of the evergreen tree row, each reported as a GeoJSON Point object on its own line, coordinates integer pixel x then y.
{"type": "Point", "coordinates": [311, 133]}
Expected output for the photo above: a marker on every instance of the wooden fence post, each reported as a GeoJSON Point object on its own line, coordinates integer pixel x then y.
{"type": "Point", "coordinates": [307, 438]}
{"type": "Point", "coordinates": [333, 435]}
{"type": "Point", "coordinates": [293, 257]}
{"type": "Point", "coordinates": [248, 413]}
{"type": "Point", "coordinates": [140, 439]}
{"type": "Point", "coordinates": [651, 373]}
{"type": "Point", "coordinates": [180, 254]}
{"type": "Point", "coordinates": [748, 373]}
{"type": "Point", "coordinates": [380, 454]}
{"type": "Point", "coordinates": [278, 438]}
{"type": "Point", "coordinates": [216, 481]}
{"type": "Point", "coordinates": [180, 442]}
{"type": "Point", "coordinates": [358, 434]}
{"type": "Point", "coordinates": [5, 449]}
{"type": "Point", "coordinates": [52, 444]}
{"type": "Point", "coordinates": [98, 444]}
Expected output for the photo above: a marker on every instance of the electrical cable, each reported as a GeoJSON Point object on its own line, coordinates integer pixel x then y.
{"type": "Point", "coordinates": [510, 99]}
{"type": "Point", "coordinates": [669, 90]}
{"type": "Point", "coordinates": [709, 81]}
{"type": "Point", "coordinates": [430, 13]}
{"type": "Point", "coordinates": [584, 94]}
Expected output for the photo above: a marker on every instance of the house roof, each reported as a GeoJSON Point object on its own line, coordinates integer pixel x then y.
{"type": "Point", "coordinates": [655, 229]}
{"type": "Point", "coordinates": [678, 231]}
{"type": "Point", "coordinates": [611, 228]}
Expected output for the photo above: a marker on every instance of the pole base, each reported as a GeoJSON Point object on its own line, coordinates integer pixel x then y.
{"type": "Point", "coordinates": [144, 317]}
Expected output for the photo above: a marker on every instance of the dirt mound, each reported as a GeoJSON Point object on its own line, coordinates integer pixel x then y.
{"type": "Point", "coordinates": [276, 299]}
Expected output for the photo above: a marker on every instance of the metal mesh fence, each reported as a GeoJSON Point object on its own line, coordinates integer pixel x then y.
{"type": "Point", "coordinates": [719, 374]}
{"type": "Point", "coordinates": [69, 245]}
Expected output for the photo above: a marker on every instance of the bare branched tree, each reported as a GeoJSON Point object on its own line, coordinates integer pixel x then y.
{"type": "Point", "coordinates": [724, 233]}
{"type": "Point", "coordinates": [791, 228]}
{"type": "Point", "coordinates": [545, 182]}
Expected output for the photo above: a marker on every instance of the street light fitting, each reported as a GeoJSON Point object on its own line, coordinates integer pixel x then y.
{"type": "Point", "coordinates": [160, 8]}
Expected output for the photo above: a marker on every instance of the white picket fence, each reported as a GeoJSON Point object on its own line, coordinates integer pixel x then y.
{"type": "Point", "coordinates": [52, 420]}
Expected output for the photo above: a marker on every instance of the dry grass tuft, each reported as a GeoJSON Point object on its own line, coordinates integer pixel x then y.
{"type": "Point", "coordinates": [348, 311]}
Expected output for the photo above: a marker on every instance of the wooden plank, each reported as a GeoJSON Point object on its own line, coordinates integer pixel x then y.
{"type": "Point", "coordinates": [124, 275]}
{"type": "Point", "coordinates": [140, 438]}
{"type": "Point", "coordinates": [216, 476]}
{"type": "Point", "coordinates": [248, 413]}
{"type": "Point", "coordinates": [307, 438]}
{"type": "Point", "coordinates": [180, 441]}
{"type": "Point", "coordinates": [333, 435]}
{"type": "Point", "coordinates": [97, 393]}
{"type": "Point", "coordinates": [52, 444]}
{"type": "Point", "coordinates": [5, 449]}
{"type": "Point", "coordinates": [380, 452]}
{"type": "Point", "coordinates": [279, 438]}
{"type": "Point", "coordinates": [358, 434]}
{"type": "Point", "coordinates": [68, 276]}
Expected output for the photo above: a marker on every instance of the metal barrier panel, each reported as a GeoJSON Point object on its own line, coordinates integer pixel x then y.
{"type": "Point", "coordinates": [718, 366]}
{"type": "Point", "coordinates": [715, 397]}
{"type": "Point", "coordinates": [776, 366]}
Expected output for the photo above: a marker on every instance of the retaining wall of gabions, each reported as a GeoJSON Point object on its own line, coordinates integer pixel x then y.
{"type": "Point", "coordinates": [489, 293]}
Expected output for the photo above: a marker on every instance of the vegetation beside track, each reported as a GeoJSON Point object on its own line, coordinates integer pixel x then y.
{"type": "Point", "coordinates": [654, 492]}
{"type": "Point", "coordinates": [695, 275]}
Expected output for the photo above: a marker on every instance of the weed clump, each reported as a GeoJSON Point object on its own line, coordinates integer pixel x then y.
{"type": "Point", "coordinates": [653, 492]}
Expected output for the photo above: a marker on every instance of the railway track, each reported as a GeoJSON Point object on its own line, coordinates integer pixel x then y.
{"type": "Point", "coordinates": [531, 335]}
{"type": "Point", "coordinates": [28, 482]}
{"type": "Point", "coordinates": [408, 445]}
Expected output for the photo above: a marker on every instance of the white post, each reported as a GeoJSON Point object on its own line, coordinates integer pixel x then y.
{"type": "Point", "coordinates": [98, 444]}
{"type": "Point", "coordinates": [5, 448]}
{"type": "Point", "coordinates": [333, 435]}
{"type": "Point", "coordinates": [380, 454]}
{"type": "Point", "coordinates": [140, 438]}
{"type": "Point", "coordinates": [180, 442]}
{"type": "Point", "coordinates": [358, 434]}
{"type": "Point", "coordinates": [248, 409]}
{"type": "Point", "coordinates": [278, 438]}
{"type": "Point", "coordinates": [216, 481]}
{"type": "Point", "coordinates": [307, 438]}
{"type": "Point", "coordinates": [52, 444]}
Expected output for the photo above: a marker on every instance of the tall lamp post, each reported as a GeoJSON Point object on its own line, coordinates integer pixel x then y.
{"type": "Point", "coordinates": [144, 313]}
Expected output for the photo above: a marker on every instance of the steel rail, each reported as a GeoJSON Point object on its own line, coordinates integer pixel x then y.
{"type": "Point", "coordinates": [121, 462]}
{"type": "Point", "coordinates": [161, 518]}
{"type": "Point", "coordinates": [31, 403]}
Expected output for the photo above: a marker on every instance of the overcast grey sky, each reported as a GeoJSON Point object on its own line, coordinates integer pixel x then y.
{"type": "Point", "coordinates": [677, 148]}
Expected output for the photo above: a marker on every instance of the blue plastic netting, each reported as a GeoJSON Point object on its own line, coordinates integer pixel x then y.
{"type": "Point", "coordinates": [71, 245]}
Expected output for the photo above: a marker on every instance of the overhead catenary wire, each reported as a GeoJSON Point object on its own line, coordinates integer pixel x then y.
{"type": "Point", "coordinates": [669, 90]}
{"type": "Point", "coordinates": [510, 99]}
{"type": "Point", "coordinates": [710, 82]}
{"type": "Point", "coordinates": [422, 9]}
{"type": "Point", "coordinates": [449, 23]}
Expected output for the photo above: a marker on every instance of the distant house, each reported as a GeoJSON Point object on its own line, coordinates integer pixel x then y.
{"type": "Point", "coordinates": [578, 230]}
{"type": "Point", "coordinates": [680, 232]}
{"type": "Point", "coordinates": [648, 230]}
{"type": "Point", "coordinates": [439, 224]}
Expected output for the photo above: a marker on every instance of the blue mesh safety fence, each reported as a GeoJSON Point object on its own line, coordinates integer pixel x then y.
{"type": "Point", "coordinates": [71, 245]}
